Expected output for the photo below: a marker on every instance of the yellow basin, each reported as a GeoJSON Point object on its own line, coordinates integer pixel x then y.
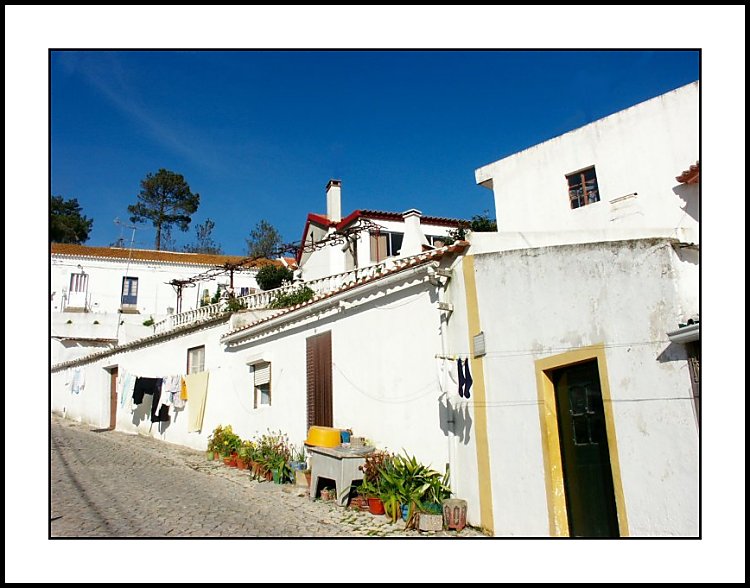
{"type": "Point", "coordinates": [323, 436]}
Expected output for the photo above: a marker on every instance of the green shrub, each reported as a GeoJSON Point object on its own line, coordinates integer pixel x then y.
{"type": "Point", "coordinates": [273, 276]}
{"type": "Point", "coordinates": [149, 322]}
{"type": "Point", "coordinates": [234, 304]}
{"type": "Point", "coordinates": [286, 299]}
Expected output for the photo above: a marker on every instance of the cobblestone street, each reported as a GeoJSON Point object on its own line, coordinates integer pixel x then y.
{"type": "Point", "coordinates": [109, 484]}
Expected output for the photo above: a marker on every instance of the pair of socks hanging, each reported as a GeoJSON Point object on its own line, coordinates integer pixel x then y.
{"type": "Point", "coordinates": [464, 379]}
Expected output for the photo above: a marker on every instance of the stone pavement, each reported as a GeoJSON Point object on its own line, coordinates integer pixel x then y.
{"type": "Point", "coordinates": [110, 484]}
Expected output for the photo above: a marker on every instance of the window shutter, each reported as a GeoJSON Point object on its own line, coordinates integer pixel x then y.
{"type": "Point", "coordinates": [310, 382]}
{"type": "Point", "coordinates": [262, 373]}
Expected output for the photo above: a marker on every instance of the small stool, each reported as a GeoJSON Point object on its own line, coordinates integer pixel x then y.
{"type": "Point", "coordinates": [454, 513]}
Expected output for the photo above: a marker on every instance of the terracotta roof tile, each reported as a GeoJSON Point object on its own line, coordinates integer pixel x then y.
{"type": "Point", "coordinates": [692, 175]}
{"type": "Point", "coordinates": [150, 255]}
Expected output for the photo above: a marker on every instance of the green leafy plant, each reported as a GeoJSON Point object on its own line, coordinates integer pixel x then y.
{"type": "Point", "coordinates": [69, 322]}
{"type": "Point", "coordinates": [234, 304]}
{"type": "Point", "coordinates": [224, 441]}
{"type": "Point", "coordinates": [286, 299]}
{"type": "Point", "coordinates": [149, 322]}
{"type": "Point", "coordinates": [247, 450]}
{"type": "Point", "coordinates": [96, 322]}
{"type": "Point", "coordinates": [405, 481]}
{"type": "Point", "coordinates": [272, 276]}
{"type": "Point", "coordinates": [480, 223]}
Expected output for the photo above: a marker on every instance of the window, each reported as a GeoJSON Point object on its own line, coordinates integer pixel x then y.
{"type": "Point", "coordinates": [437, 241]}
{"type": "Point", "coordinates": [79, 282]}
{"type": "Point", "coordinates": [129, 291]}
{"type": "Point", "coordinates": [385, 244]}
{"type": "Point", "coordinates": [78, 293]}
{"type": "Point", "coordinates": [196, 360]}
{"type": "Point", "coordinates": [583, 188]}
{"type": "Point", "coordinates": [244, 291]}
{"type": "Point", "coordinates": [261, 384]}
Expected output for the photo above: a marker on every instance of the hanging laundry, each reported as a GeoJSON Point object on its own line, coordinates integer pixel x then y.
{"type": "Point", "coordinates": [468, 380]}
{"type": "Point", "coordinates": [79, 380]}
{"type": "Point", "coordinates": [172, 387]}
{"type": "Point", "coordinates": [145, 386]}
{"type": "Point", "coordinates": [163, 416]}
{"type": "Point", "coordinates": [126, 389]}
{"type": "Point", "coordinates": [156, 400]}
{"type": "Point", "coordinates": [197, 386]}
{"type": "Point", "coordinates": [183, 389]}
{"type": "Point", "coordinates": [460, 378]}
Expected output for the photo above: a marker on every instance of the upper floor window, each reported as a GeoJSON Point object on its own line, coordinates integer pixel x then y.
{"type": "Point", "coordinates": [129, 291]}
{"type": "Point", "coordinates": [385, 244]}
{"type": "Point", "coordinates": [437, 241]}
{"type": "Point", "coordinates": [79, 282]}
{"type": "Point", "coordinates": [583, 188]}
{"type": "Point", "coordinates": [196, 360]}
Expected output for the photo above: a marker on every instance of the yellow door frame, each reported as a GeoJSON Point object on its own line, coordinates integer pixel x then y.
{"type": "Point", "coordinates": [481, 434]}
{"type": "Point", "coordinates": [553, 469]}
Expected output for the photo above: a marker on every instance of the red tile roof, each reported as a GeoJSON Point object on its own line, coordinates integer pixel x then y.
{"type": "Point", "coordinates": [692, 175]}
{"type": "Point", "coordinates": [425, 220]}
{"type": "Point", "coordinates": [150, 255]}
{"type": "Point", "coordinates": [322, 220]}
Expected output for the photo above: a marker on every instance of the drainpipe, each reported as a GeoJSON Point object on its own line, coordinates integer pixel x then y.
{"type": "Point", "coordinates": [441, 287]}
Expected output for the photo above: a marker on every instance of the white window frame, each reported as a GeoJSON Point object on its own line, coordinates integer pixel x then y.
{"type": "Point", "coordinates": [192, 366]}
{"type": "Point", "coordinates": [261, 368]}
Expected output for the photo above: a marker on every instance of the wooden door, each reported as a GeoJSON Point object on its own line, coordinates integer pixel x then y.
{"type": "Point", "coordinates": [112, 398]}
{"type": "Point", "coordinates": [319, 381]}
{"type": "Point", "coordinates": [587, 473]}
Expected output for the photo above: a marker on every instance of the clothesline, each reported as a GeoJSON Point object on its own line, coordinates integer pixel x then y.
{"type": "Point", "coordinates": [453, 357]}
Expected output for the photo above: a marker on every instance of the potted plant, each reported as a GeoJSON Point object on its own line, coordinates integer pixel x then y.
{"type": "Point", "coordinates": [371, 491]}
{"type": "Point", "coordinates": [298, 459]}
{"type": "Point", "coordinates": [216, 441]}
{"type": "Point", "coordinates": [245, 454]}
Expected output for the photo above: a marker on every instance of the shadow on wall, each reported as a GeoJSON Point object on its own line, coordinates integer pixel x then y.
{"type": "Point", "coordinates": [143, 410]}
{"type": "Point", "coordinates": [672, 352]}
{"type": "Point", "coordinates": [689, 194]}
{"type": "Point", "coordinates": [456, 419]}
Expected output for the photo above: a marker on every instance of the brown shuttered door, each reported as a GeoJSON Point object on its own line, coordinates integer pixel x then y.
{"type": "Point", "coordinates": [112, 399]}
{"type": "Point", "coordinates": [319, 381]}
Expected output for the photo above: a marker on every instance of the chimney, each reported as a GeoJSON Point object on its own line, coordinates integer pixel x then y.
{"type": "Point", "coordinates": [333, 200]}
{"type": "Point", "coordinates": [413, 236]}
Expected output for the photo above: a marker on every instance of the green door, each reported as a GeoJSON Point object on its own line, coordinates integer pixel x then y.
{"type": "Point", "coordinates": [589, 491]}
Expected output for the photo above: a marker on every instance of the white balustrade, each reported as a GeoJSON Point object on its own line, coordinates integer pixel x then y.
{"type": "Point", "coordinates": [260, 300]}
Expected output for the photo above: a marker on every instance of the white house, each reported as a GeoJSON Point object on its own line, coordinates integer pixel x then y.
{"type": "Point", "coordinates": [582, 415]}
{"type": "Point", "coordinates": [615, 174]}
{"type": "Point", "coordinates": [101, 295]}
{"type": "Point", "coordinates": [366, 237]}
{"type": "Point", "coordinates": [342, 359]}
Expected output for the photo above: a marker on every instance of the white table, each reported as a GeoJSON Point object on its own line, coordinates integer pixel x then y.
{"type": "Point", "coordinates": [340, 464]}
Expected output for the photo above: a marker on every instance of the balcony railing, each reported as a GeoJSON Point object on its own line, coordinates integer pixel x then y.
{"type": "Point", "coordinates": [261, 300]}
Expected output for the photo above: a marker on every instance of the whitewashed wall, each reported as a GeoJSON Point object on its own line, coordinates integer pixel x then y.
{"type": "Point", "coordinates": [385, 389]}
{"type": "Point", "coordinates": [155, 295]}
{"type": "Point", "coordinates": [639, 150]}
{"type": "Point", "coordinates": [536, 303]}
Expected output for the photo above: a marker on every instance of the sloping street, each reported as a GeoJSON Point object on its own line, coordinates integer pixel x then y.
{"type": "Point", "coordinates": [109, 484]}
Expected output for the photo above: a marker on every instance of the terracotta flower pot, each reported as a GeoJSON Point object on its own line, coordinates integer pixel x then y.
{"type": "Point", "coordinates": [376, 506]}
{"type": "Point", "coordinates": [227, 461]}
{"type": "Point", "coordinates": [241, 464]}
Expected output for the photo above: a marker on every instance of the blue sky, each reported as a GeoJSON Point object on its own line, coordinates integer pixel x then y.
{"type": "Point", "coordinates": [259, 134]}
